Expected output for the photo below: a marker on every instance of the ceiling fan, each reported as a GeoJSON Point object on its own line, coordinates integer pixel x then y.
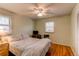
{"type": "Point", "coordinates": [41, 10]}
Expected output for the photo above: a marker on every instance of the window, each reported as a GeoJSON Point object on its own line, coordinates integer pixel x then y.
{"type": "Point", "coordinates": [49, 27]}
{"type": "Point", "coordinates": [5, 23]}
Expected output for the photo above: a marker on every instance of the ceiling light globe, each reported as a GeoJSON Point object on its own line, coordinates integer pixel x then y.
{"type": "Point", "coordinates": [39, 14]}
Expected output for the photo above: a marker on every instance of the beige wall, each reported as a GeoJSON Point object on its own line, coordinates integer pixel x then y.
{"type": "Point", "coordinates": [75, 40]}
{"type": "Point", "coordinates": [22, 24]}
{"type": "Point", "coordinates": [78, 32]}
{"type": "Point", "coordinates": [19, 23]}
{"type": "Point", "coordinates": [62, 29]}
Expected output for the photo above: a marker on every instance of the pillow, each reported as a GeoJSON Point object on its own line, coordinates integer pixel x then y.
{"type": "Point", "coordinates": [24, 36]}
{"type": "Point", "coordinates": [17, 36]}
{"type": "Point", "coordinates": [9, 39]}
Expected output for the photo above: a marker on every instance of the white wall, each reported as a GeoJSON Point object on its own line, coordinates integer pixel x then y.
{"type": "Point", "coordinates": [62, 29]}
{"type": "Point", "coordinates": [74, 27]}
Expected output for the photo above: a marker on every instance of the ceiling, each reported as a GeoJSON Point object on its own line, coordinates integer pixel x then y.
{"type": "Point", "coordinates": [27, 9]}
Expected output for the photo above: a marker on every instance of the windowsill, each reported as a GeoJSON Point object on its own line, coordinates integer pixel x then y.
{"type": "Point", "coordinates": [49, 32]}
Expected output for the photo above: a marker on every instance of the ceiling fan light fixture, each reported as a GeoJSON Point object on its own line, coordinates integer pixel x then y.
{"type": "Point", "coordinates": [39, 14]}
{"type": "Point", "coordinates": [39, 11]}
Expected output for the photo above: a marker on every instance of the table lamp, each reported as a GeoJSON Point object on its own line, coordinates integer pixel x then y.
{"type": "Point", "coordinates": [2, 34]}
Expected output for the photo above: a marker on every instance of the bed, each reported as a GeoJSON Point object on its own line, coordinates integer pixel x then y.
{"type": "Point", "coordinates": [29, 46]}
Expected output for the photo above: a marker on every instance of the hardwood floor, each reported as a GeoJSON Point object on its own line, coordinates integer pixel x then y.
{"type": "Point", "coordinates": [59, 50]}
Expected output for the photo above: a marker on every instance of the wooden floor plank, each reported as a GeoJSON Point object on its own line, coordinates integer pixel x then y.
{"type": "Point", "coordinates": [59, 50]}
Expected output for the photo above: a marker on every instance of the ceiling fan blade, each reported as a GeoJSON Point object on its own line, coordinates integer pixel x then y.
{"type": "Point", "coordinates": [49, 12]}
{"type": "Point", "coordinates": [27, 10]}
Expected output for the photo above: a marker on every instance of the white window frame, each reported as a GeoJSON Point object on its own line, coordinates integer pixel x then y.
{"type": "Point", "coordinates": [9, 25]}
{"type": "Point", "coordinates": [51, 26]}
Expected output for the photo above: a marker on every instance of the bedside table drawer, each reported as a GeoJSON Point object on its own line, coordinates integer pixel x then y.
{"type": "Point", "coordinates": [4, 53]}
{"type": "Point", "coordinates": [4, 49]}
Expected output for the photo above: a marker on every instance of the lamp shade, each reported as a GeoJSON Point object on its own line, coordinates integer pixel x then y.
{"type": "Point", "coordinates": [3, 32]}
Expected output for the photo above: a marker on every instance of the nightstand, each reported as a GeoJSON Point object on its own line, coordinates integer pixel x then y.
{"type": "Point", "coordinates": [4, 49]}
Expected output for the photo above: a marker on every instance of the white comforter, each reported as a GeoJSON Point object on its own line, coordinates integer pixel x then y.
{"type": "Point", "coordinates": [21, 44]}
{"type": "Point", "coordinates": [32, 47]}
